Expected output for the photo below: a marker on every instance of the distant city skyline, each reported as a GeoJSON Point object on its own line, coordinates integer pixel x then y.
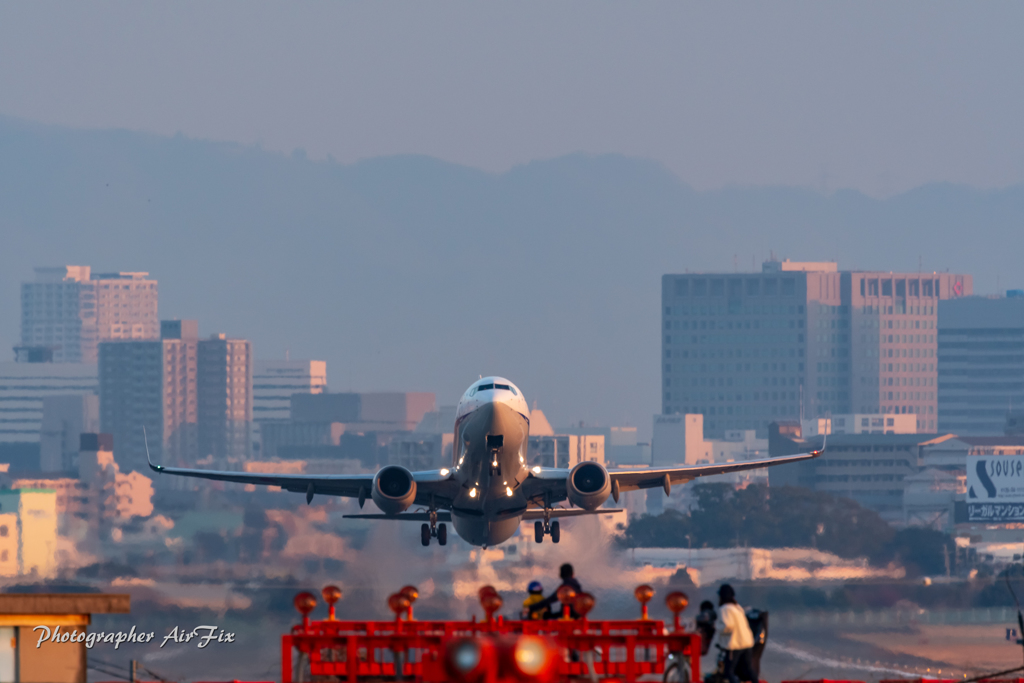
{"type": "Point", "coordinates": [373, 267]}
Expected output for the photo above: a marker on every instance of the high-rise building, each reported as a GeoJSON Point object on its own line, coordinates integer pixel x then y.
{"type": "Point", "coordinates": [69, 311]}
{"type": "Point", "coordinates": [151, 385]}
{"type": "Point", "coordinates": [981, 363]}
{"type": "Point", "coordinates": [801, 340]}
{"type": "Point", "coordinates": [23, 389]}
{"type": "Point", "coordinates": [868, 468]}
{"type": "Point", "coordinates": [274, 382]}
{"type": "Point", "coordinates": [225, 397]}
{"type": "Point", "coordinates": [65, 419]}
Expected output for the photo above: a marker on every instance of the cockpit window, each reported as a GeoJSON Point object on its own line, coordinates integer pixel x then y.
{"type": "Point", "coordinates": [490, 387]}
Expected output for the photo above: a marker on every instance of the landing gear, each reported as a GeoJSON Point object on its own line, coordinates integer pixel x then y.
{"type": "Point", "coordinates": [551, 528]}
{"type": "Point", "coordinates": [434, 530]}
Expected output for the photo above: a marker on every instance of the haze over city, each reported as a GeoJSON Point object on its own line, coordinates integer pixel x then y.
{"type": "Point", "coordinates": [419, 286]}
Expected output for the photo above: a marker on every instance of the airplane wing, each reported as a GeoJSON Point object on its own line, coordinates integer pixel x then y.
{"type": "Point", "coordinates": [632, 480]}
{"type": "Point", "coordinates": [429, 484]}
{"type": "Point", "coordinates": [548, 484]}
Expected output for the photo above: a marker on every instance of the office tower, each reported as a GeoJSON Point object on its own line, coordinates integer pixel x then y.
{"type": "Point", "coordinates": [869, 468]}
{"type": "Point", "coordinates": [151, 385]}
{"type": "Point", "coordinates": [274, 382]}
{"type": "Point", "coordinates": [68, 310]}
{"type": "Point", "coordinates": [981, 363]}
{"type": "Point", "coordinates": [65, 419]}
{"type": "Point", "coordinates": [225, 397]}
{"type": "Point", "coordinates": [23, 389]}
{"type": "Point", "coordinates": [800, 340]}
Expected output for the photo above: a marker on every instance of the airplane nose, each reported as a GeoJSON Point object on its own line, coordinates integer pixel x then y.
{"type": "Point", "coordinates": [495, 425]}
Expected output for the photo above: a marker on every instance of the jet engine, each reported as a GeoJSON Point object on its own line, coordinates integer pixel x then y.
{"type": "Point", "coordinates": [588, 485]}
{"type": "Point", "coordinates": [394, 489]}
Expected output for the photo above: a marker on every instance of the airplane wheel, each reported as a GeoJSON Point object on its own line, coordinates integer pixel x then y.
{"type": "Point", "coordinates": [556, 533]}
{"type": "Point", "coordinates": [538, 532]}
{"type": "Point", "coordinates": [425, 534]}
{"type": "Point", "coordinates": [442, 534]}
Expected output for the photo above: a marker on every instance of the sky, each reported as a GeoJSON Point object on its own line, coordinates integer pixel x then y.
{"type": "Point", "coordinates": [875, 96]}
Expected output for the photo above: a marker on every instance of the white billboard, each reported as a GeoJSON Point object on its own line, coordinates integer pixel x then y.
{"type": "Point", "coordinates": [995, 488]}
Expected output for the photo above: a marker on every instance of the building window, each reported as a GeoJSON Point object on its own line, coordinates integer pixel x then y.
{"type": "Point", "coordinates": [4, 555]}
{"type": "Point", "coordinates": [886, 287]}
{"type": "Point", "coordinates": [682, 287]}
{"type": "Point", "coordinates": [3, 530]}
{"type": "Point", "coordinates": [717, 287]}
{"type": "Point", "coordinates": [700, 287]}
{"type": "Point", "coordinates": [788, 286]}
{"type": "Point", "coordinates": [753, 287]}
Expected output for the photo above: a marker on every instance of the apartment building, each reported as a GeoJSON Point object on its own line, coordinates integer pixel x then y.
{"type": "Point", "coordinates": [70, 310]}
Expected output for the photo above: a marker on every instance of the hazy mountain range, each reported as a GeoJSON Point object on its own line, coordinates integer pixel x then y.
{"type": "Point", "coordinates": [412, 273]}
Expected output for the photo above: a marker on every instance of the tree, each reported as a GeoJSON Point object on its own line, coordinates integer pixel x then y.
{"type": "Point", "coordinates": [772, 518]}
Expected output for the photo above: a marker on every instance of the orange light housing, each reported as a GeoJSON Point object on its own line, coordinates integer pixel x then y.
{"type": "Point", "coordinates": [491, 603]}
{"type": "Point", "coordinates": [566, 596]}
{"type": "Point", "coordinates": [584, 603]}
{"type": "Point", "coordinates": [398, 604]}
{"type": "Point", "coordinates": [305, 602]}
{"type": "Point", "coordinates": [331, 595]}
{"type": "Point", "coordinates": [676, 603]}
{"type": "Point", "coordinates": [643, 594]}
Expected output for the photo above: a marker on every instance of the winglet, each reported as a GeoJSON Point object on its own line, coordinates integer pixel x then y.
{"type": "Point", "coordinates": [824, 442]}
{"type": "Point", "coordinates": [155, 468]}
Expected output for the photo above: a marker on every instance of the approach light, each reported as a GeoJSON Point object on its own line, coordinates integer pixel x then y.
{"type": "Point", "coordinates": [467, 659]}
{"type": "Point", "coordinates": [530, 658]}
{"type": "Point", "coordinates": [472, 493]}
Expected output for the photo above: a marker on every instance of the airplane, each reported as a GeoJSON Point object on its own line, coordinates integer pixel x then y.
{"type": "Point", "coordinates": [490, 487]}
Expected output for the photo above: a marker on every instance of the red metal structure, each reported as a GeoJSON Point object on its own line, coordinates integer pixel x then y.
{"type": "Point", "coordinates": [487, 651]}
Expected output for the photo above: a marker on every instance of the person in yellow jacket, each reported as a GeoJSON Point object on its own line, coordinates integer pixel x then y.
{"type": "Point", "coordinates": [536, 594]}
{"type": "Point", "coordinates": [735, 636]}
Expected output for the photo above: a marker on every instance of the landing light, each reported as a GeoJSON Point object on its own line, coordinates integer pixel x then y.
{"type": "Point", "coordinates": [536, 470]}
{"type": "Point", "coordinates": [472, 493]}
{"type": "Point", "coordinates": [508, 491]}
{"type": "Point", "coordinates": [444, 472]}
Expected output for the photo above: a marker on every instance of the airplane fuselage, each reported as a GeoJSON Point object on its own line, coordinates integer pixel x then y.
{"type": "Point", "coordinates": [489, 461]}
